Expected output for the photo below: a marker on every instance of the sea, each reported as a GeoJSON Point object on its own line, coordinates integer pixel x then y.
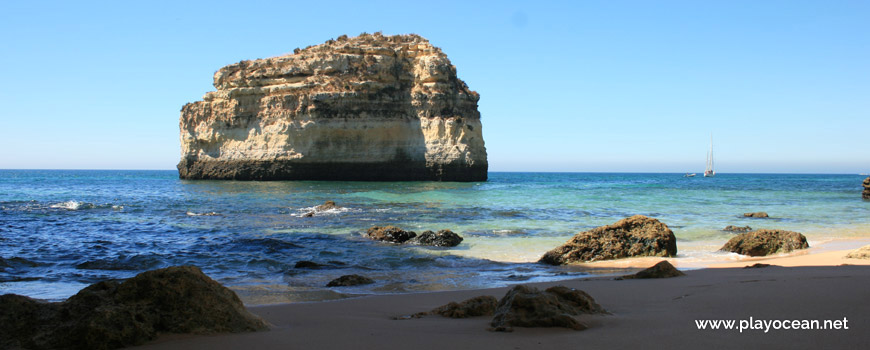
{"type": "Point", "coordinates": [61, 230]}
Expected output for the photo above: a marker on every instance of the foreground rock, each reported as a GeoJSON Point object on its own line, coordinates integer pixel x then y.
{"type": "Point", "coordinates": [478, 306]}
{"type": "Point", "coordinates": [635, 236]}
{"type": "Point", "coordinates": [442, 238]}
{"type": "Point", "coordinates": [389, 234]}
{"type": "Point", "coordinates": [766, 242]}
{"type": "Point", "coordinates": [350, 280]}
{"type": "Point", "coordinates": [525, 306]}
{"type": "Point", "coordinates": [731, 228]}
{"type": "Point", "coordinates": [109, 315]}
{"type": "Point", "coordinates": [371, 107]}
{"type": "Point", "coordinates": [866, 193]}
{"type": "Point", "coordinates": [860, 253]}
{"type": "Point", "coordinates": [663, 269]}
{"type": "Point", "coordinates": [759, 215]}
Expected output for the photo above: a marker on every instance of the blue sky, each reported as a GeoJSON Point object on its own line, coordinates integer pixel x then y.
{"type": "Point", "coordinates": [637, 86]}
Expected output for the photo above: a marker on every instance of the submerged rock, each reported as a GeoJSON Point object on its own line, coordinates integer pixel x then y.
{"type": "Point", "coordinates": [866, 193]}
{"type": "Point", "coordinates": [635, 236]}
{"type": "Point", "coordinates": [108, 315]}
{"type": "Point", "coordinates": [860, 253]}
{"type": "Point", "coordinates": [663, 269]}
{"type": "Point", "coordinates": [371, 107]}
{"type": "Point", "coordinates": [443, 238]}
{"type": "Point", "coordinates": [766, 242]}
{"type": "Point", "coordinates": [305, 264]}
{"type": "Point", "coordinates": [350, 280]}
{"type": "Point", "coordinates": [759, 215]}
{"type": "Point", "coordinates": [525, 306]}
{"type": "Point", "coordinates": [389, 234]}
{"type": "Point", "coordinates": [731, 228]}
{"type": "Point", "coordinates": [328, 205]}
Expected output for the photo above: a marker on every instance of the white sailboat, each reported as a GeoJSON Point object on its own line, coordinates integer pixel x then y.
{"type": "Point", "coordinates": [709, 172]}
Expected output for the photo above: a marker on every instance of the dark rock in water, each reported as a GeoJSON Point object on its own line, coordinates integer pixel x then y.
{"type": "Point", "coordinates": [390, 234]}
{"type": "Point", "coordinates": [866, 193]}
{"type": "Point", "coordinates": [308, 214]}
{"type": "Point", "coordinates": [634, 236]}
{"type": "Point", "coordinates": [18, 262]}
{"type": "Point", "coordinates": [483, 305]}
{"type": "Point", "coordinates": [305, 264]}
{"type": "Point", "coordinates": [326, 206]}
{"type": "Point", "coordinates": [766, 242]}
{"type": "Point", "coordinates": [133, 263]}
{"type": "Point", "coordinates": [350, 280]}
{"type": "Point", "coordinates": [731, 228]}
{"type": "Point", "coordinates": [443, 238]}
{"type": "Point", "coordinates": [759, 214]}
{"type": "Point", "coordinates": [525, 306]}
{"type": "Point", "coordinates": [663, 269]}
{"type": "Point", "coordinates": [860, 253]}
{"type": "Point", "coordinates": [757, 266]}
{"type": "Point", "coordinates": [109, 315]}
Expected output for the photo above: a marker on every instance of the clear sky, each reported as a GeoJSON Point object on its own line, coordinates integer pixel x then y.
{"type": "Point", "coordinates": [637, 86]}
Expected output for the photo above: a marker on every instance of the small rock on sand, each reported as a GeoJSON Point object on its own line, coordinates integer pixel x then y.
{"type": "Point", "coordinates": [860, 253]}
{"type": "Point", "coordinates": [663, 269]}
{"type": "Point", "coordinates": [350, 280]}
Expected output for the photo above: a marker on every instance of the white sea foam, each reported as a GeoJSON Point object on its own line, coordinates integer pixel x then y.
{"type": "Point", "coordinates": [72, 205]}
{"type": "Point", "coordinates": [211, 213]}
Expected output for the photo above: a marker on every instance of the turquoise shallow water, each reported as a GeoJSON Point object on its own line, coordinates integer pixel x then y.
{"type": "Point", "coordinates": [61, 230]}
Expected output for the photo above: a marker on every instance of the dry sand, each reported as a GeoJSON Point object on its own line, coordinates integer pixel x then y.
{"type": "Point", "coordinates": [659, 313]}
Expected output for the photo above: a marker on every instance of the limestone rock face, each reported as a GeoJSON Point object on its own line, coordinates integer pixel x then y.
{"type": "Point", "coordinates": [635, 236]}
{"type": "Point", "coordinates": [371, 107]}
{"type": "Point", "coordinates": [108, 315]}
{"type": "Point", "coordinates": [766, 242]}
{"type": "Point", "coordinates": [866, 193]}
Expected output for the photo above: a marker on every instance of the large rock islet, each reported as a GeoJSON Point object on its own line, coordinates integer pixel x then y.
{"type": "Point", "coordinates": [371, 107]}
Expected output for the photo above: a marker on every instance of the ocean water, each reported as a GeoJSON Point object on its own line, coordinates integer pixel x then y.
{"type": "Point", "coordinates": [62, 230]}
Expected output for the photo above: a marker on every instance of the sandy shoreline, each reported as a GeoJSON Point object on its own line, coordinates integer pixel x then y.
{"type": "Point", "coordinates": [811, 285]}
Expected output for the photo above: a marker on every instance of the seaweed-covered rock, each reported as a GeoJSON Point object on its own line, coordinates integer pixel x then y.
{"type": "Point", "coordinates": [389, 234]}
{"type": "Point", "coordinates": [766, 242]}
{"type": "Point", "coordinates": [731, 228]}
{"type": "Point", "coordinates": [663, 269]}
{"type": "Point", "coordinates": [108, 315]}
{"type": "Point", "coordinates": [525, 306]}
{"type": "Point", "coordinates": [860, 253]}
{"type": "Point", "coordinates": [758, 215]}
{"type": "Point", "coordinates": [350, 280]}
{"type": "Point", "coordinates": [635, 236]}
{"type": "Point", "coordinates": [442, 238]}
